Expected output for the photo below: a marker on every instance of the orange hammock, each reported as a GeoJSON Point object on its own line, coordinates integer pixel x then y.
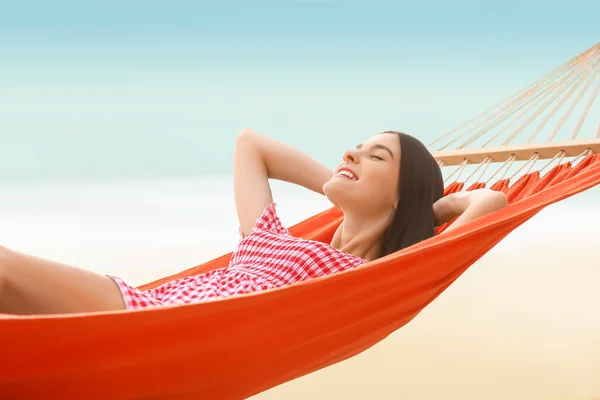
{"type": "Point", "coordinates": [241, 346]}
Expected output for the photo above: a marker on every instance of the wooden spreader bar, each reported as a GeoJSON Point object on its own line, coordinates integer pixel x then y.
{"type": "Point", "coordinates": [523, 152]}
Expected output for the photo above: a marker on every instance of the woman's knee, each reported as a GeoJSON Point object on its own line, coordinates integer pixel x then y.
{"type": "Point", "coordinates": [3, 273]}
{"type": "Point", "coordinates": [7, 266]}
{"type": "Point", "coordinates": [4, 265]}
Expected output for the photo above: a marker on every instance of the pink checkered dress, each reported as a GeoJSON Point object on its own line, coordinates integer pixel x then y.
{"type": "Point", "coordinates": [267, 258]}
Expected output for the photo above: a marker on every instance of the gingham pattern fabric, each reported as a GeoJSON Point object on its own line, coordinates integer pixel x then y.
{"type": "Point", "coordinates": [267, 258]}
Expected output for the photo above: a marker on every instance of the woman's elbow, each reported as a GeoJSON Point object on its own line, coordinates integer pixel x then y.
{"type": "Point", "coordinates": [495, 199]}
{"type": "Point", "coordinates": [246, 135]}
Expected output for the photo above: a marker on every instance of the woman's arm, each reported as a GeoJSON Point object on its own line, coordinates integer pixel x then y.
{"type": "Point", "coordinates": [257, 159]}
{"type": "Point", "coordinates": [467, 206]}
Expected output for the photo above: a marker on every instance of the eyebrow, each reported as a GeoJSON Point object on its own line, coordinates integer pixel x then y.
{"type": "Point", "coordinates": [378, 146]}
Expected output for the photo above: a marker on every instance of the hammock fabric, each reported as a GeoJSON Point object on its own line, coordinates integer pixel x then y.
{"type": "Point", "coordinates": [241, 346]}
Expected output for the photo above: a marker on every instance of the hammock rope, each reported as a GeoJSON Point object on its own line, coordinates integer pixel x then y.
{"type": "Point", "coordinates": [538, 91]}
{"type": "Point", "coordinates": [583, 154]}
{"type": "Point", "coordinates": [588, 105]}
{"type": "Point", "coordinates": [555, 109]}
{"type": "Point", "coordinates": [573, 104]}
{"type": "Point", "coordinates": [508, 163]}
{"type": "Point", "coordinates": [551, 113]}
{"type": "Point", "coordinates": [555, 90]}
{"type": "Point", "coordinates": [571, 82]}
{"type": "Point", "coordinates": [459, 169]}
{"type": "Point", "coordinates": [560, 155]}
{"type": "Point", "coordinates": [243, 345]}
{"type": "Point", "coordinates": [526, 91]}
{"type": "Point", "coordinates": [533, 159]}
{"type": "Point", "coordinates": [483, 164]}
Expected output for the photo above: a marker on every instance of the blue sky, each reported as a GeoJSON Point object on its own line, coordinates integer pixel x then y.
{"type": "Point", "coordinates": [156, 86]}
{"type": "Point", "coordinates": [327, 28]}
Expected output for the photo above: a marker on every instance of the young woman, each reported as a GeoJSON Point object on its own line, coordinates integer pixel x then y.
{"type": "Point", "coordinates": [389, 189]}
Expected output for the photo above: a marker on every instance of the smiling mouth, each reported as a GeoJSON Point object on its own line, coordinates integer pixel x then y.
{"type": "Point", "coordinates": [347, 174]}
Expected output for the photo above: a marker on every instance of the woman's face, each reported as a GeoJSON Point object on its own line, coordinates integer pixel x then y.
{"type": "Point", "coordinates": [367, 179]}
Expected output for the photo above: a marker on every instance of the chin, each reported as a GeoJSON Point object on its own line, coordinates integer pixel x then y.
{"type": "Point", "coordinates": [339, 194]}
{"type": "Point", "coordinates": [332, 192]}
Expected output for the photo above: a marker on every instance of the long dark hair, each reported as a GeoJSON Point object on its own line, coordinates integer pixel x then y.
{"type": "Point", "coordinates": [420, 185]}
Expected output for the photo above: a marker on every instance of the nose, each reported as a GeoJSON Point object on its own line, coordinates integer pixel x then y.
{"type": "Point", "coordinates": [351, 156]}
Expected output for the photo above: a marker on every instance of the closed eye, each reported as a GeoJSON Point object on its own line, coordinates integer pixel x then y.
{"type": "Point", "coordinates": [377, 157]}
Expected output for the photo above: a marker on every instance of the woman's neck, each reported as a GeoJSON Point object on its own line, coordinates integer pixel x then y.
{"type": "Point", "coordinates": [362, 237]}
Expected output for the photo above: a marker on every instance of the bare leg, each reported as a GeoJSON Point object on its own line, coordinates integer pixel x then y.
{"type": "Point", "coordinates": [32, 285]}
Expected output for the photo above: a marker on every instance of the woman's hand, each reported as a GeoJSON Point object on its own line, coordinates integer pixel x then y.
{"type": "Point", "coordinates": [257, 159]}
{"type": "Point", "coordinates": [467, 206]}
